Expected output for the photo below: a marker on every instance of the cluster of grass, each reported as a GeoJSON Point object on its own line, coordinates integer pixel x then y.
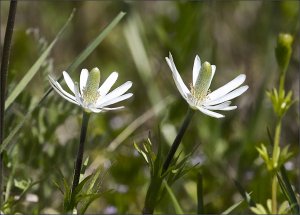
{"type": "Point", "coordinates": [41, 129]}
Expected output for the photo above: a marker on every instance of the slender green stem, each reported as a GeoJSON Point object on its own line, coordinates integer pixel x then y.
{"type": "Point", "coordinates": [274, 194]}
{"type": "Point", "coordinates": [276, 147]}
{"type": "Point", "coordinates": [78, 164]}
{"type": "Point", "coordinates": [152, 195]}
{"type": "Point", "coordinates": [178, 139]}
{"type": "Point", "coordinates": [3, 76]}
{"type": "Point", "coordinates": [275, 164]}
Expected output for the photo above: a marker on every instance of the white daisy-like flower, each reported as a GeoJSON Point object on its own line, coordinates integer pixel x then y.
{"type": "Point", "coordinates": [90, 96]}
{"type": "Point", "coordinates": [199, 96]}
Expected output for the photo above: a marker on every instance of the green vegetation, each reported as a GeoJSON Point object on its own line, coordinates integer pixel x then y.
{"type": "Point", "coordinates": [246, 162]}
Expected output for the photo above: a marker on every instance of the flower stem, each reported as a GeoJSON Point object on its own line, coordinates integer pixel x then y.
{"type": "Point", "coordinates": [78, 164]}
{"type": "Point", "coordinates": [154, 188]}
{"type": "Point", "coordinates": [178, 139]}
{"type": "Point", "coordinates": [274, 194]}
{"type": "Point", "coordinates": [276, 146]}
{"type": "Point", "coordinates": [3, 76]}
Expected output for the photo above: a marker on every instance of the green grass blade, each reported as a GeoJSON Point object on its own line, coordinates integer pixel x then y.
{"type": "Point", "coordinates": [81, 57]}
{"type": "Point", "coordinates": [232, 207]}
{"type": "Point", "coordinates": [176, 205]}
{"type": "Point", "coordinates": [287, 189]}
{"type": "Point", "coordinates": [36, 66]}
{"type": "Point", "coordinates": [91, 47]}
{"type": "Point", "coordinates": [244, 194]}
{"type": "Point", "coordinates": [133, 36]}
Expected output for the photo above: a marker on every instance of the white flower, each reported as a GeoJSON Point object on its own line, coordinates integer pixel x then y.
{"type": "Point", "coordinates": [90, 96]}
{"type": "Point", "coordinates": [199, 97]}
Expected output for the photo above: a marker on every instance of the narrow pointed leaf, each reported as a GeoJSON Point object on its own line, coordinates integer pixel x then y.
{"type": "Point", "coordinates": [174, 201]}
{"type": "Point", "coordinates": [36, 66]}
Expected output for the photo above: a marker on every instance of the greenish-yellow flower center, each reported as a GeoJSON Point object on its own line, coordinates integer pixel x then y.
{"type": "Point", "coordinates": [200, 90]}
{"type": "Point", "coordinates": [90, 94]}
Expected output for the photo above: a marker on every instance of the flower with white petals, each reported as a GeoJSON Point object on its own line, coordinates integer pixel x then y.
{"type": "Point", "coordinates": [89, 95]}
{"type": "Point", "coordinates": [199, 96]}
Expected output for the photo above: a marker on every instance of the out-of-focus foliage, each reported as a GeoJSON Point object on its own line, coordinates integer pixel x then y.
{"type": "Point", "coordinates": [237, 36]}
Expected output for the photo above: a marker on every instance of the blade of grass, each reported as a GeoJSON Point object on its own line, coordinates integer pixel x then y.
{"type": "Point", "coordinates": [81, 57]}
{"type": "Point", "coordinates": [232, 207]}
{"type": "Point", "coordinates": [132, 33]}
{"type": "Point", "coordinates": [287, 189]}
{"type": "Point", "coordinates": [36, 66]}
{"type": "Point", "coordinates": [176, 205]}
{"type": "Point", "coordinates": [244, 194]}
{"type": "Point", "coordinates": [285, 184]}
{"type": "Point", "coordinates": [91, 47]}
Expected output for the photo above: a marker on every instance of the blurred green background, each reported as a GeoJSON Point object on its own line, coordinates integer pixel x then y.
{"type": "Point", "coordinates": [237, 36]}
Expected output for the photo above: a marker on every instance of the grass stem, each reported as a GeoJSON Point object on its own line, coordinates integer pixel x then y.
{"type": "Point", "coordinates": [4, 70]}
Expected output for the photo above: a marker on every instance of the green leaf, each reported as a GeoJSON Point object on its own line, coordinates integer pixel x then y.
{"type": "Point", "coordinates": [174, 201]}
{"type": "Point", "coordinates": [81, 184]}
{"type": "Point", "coordinates": [94, 180]}
{"type": "Point", "coordinates": [91, 47]}
{"type": "Point", "coordinates": [82, 56]}
{"type": "Point", "coordinates": [22, 184]}
{"type": "Point", "coordinates": [258, 209]}
{"type": "Point", "coordinates": [244, 194]}
{"type": "Point", "coordinates": [36, 66]}
{"type": "Point", "coordinates": [91, 197]}
{"type": "Point", "coordinates": [288, 191]}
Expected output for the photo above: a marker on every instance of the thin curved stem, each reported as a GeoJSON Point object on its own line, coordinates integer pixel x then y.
{"type": "Point", "coordinates": [78, 164]}
{"type": "Point", "coordinates": [3, 76]}
{"type": "Point", "coordinates": [178, 139]}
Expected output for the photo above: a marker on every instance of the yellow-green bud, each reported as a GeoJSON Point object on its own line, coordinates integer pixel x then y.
{"type": "Point", "coordinates": [90, 94]}
{"type": "Point", "coordinates": [203, 81]}
{"type": "Point", "coordinates": [283, 50]}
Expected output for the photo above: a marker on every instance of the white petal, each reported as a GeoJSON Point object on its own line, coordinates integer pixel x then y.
{"type": "Point", "coordinates": [77, 94]}
{"type": "Point", "coordinates": [227, 87]}
{"type": "Point", "coordinates": [115, 93]}
{"type": "Point", "coordinates": [210, 113]}
{"type": "Point", "coordinates": [229, 108]}
{"type": "Point", "coordinates": [228, 96]}
{"type": "Point", "coordinates": [95, 110]}
{"type": "Point", "coordinates": [61, 92]}
{"type": "Point", "coordinates": [213, 71]}
{"type": "Point", "coordinates": [113, 108]}
{"type": "Point", "coordinates": [83, 79]}
{"type": "Point", "coordinates": [115, 100]}
{"type": "Point", "coordinates": [108, 83]}
{"type": "Point", "coordinates": [57, 85]}
{"type": "Point", "coordinates": [177, 78]}
{"type": "Point", "coordinates": [218, 107]}
{"type": "Point", "coordinates": [98, 110]}
{"type": "Point", "coordinates": [69, 81]}
{"type": "Point", "coordinates": [196, 69]}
